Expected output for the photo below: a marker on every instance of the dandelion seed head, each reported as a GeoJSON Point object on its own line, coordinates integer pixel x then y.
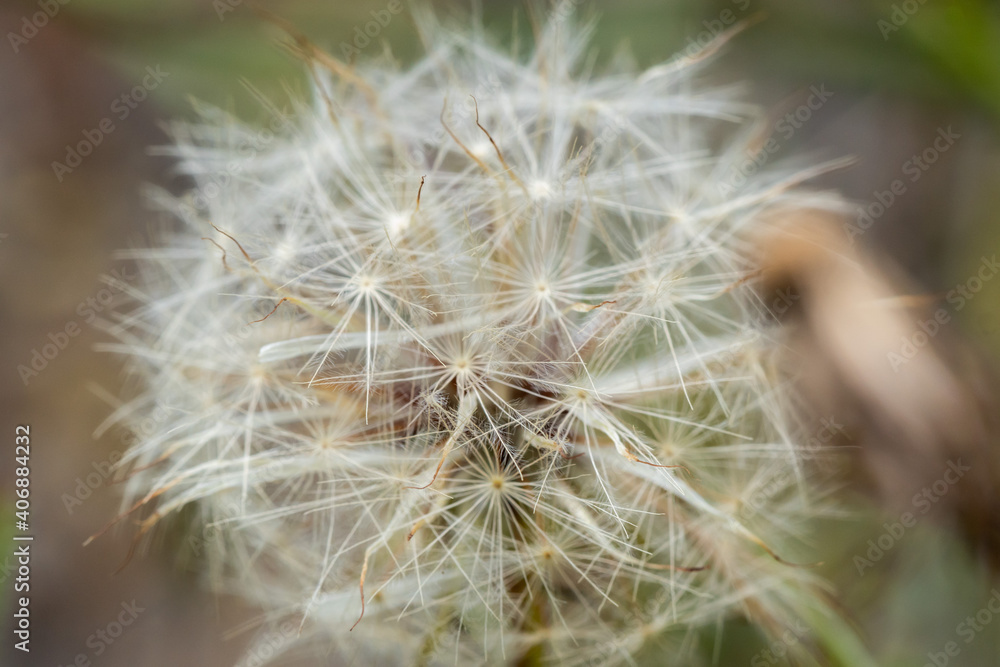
{"type": "Point", "coordinates": [475, 382]}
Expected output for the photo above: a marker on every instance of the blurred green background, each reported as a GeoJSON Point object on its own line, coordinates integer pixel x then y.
{"type": "Point", "coordinates": [898, 71]}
